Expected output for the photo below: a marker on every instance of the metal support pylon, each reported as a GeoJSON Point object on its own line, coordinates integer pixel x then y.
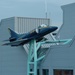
{"type": "Point", "coordinates": [32, 58]}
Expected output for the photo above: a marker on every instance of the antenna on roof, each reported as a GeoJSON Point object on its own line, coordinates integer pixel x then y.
{"type": "Point", "coordinates": [46, 8]}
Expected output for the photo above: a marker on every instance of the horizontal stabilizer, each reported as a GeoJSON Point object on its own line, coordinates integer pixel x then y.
{"type": "Point", "coordinates": [17, 42]}
{"type": "Point", "coordinates": [5, 40]}
{"type": "Point", "coordinates": [9, 39]}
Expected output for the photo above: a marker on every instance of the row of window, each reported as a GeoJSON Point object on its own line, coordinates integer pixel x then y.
{"type": "Point", "coordinates": [56, 72]}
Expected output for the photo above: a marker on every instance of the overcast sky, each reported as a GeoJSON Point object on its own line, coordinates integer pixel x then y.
{"type": "Point", "coordinates": [33, 8]}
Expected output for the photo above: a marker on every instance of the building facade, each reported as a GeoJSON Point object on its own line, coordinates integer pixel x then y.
{"type": "Point", "coordinates": [67, 29]}
{"type": "Point", "coordinates": [60, 60]}
{"type": "Point", "coordinates": [13, 60]}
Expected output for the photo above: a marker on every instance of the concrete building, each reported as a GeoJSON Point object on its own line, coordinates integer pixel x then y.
{"type": "Point", "coordinates": [68, 26]}
{"type": "Point", "coordinates": [59, 59]}
{"type": "Point", "coordinates": [13, 60]}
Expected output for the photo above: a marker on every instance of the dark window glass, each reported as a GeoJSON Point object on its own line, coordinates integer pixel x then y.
{"type": "Point", "coordinates": [45, 71]}
{"type": "Point", "coordinates": [38, 72]}
{"type": "Point", "coordinates": [62, 72]}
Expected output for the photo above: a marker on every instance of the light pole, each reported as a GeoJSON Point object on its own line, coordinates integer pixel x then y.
{"type": "Point", "coordinates": [46, 8]}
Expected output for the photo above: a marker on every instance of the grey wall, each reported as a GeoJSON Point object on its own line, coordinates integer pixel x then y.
{"type": "Point", "coordinates": [63, 56]}
{"type": "Point", "coordinates": [67, 30]}
{"type": "Point", "coordinates": [13, 60]}
{"type": "Point", "coordinates": [60, 57]}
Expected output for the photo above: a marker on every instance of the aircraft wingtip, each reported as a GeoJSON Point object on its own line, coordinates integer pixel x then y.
{"type": "Point", "coordinates": [2, 44]}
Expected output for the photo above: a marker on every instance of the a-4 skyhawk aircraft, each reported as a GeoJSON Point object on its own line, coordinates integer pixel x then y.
{"type": "Point", "coordinates": [37, 34]}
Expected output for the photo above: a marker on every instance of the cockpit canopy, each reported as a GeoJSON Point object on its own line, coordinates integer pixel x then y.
{"type": "Point", "coordinates": [43, 26]}
{"type": "Point", "coordinates": [37, 29]}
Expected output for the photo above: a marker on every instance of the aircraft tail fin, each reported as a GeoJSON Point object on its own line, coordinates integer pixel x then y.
{"type": "Point", "coordinates": [12, 33]}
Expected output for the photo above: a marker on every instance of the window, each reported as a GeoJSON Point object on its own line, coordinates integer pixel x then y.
{"type": "Point", "coordinates": [45, 71]}
{"type": "Point", "coordinates": [62, 72]}
{"type": "Point", "coordinates": [38, 72]}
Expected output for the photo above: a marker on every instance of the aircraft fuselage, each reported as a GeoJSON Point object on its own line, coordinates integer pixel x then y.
{"type": "Point", "coordinates": [37, 36]}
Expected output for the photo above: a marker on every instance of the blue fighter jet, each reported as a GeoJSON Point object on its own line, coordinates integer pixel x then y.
{"type": "Point", "coordinates": [37, 34]}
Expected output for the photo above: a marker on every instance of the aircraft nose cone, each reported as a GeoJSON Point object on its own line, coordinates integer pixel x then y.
{"type": "Point", "coordinates": [55, 28]}
{"type": "Point", "coordinates": [52, 28]}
